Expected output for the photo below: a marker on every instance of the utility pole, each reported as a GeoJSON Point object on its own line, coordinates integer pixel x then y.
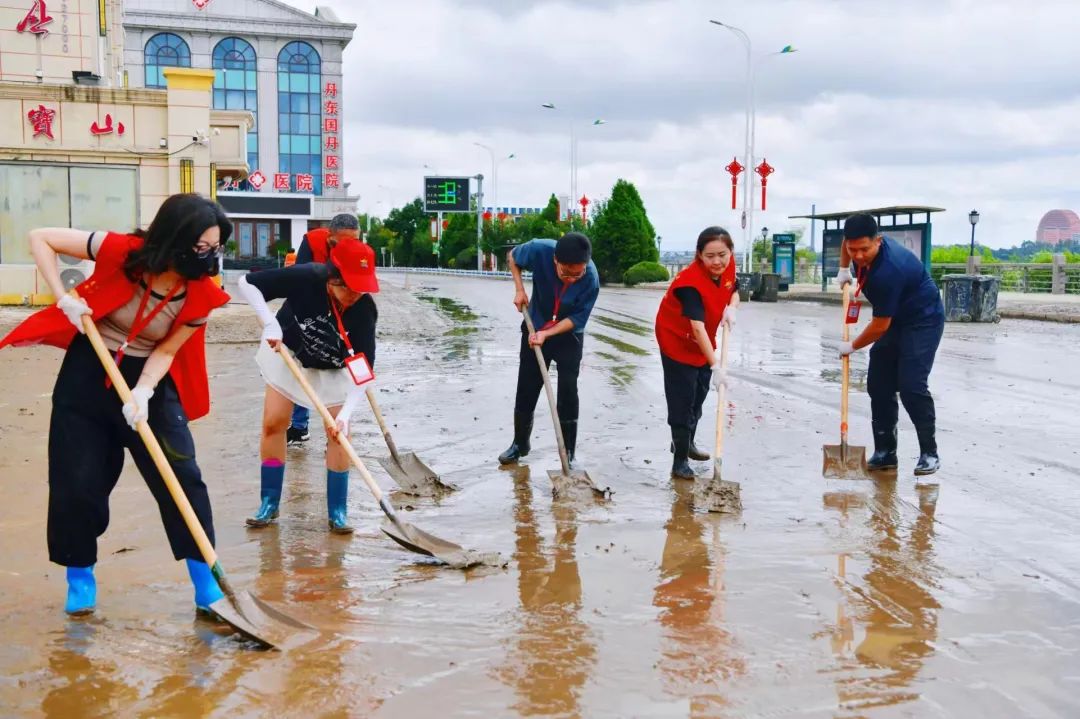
{"type": "Point", "coordinates": [479, 221]}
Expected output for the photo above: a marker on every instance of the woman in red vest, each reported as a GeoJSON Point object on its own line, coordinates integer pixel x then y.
{"type": "Point", "coordinates": [700, 298]}
{"type": "Point", "coordinates": [150, 295]}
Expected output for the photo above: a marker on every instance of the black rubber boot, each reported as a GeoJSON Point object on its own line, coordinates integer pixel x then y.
{"type": "Point", "coordinates": [523, 425]}
{"type": "Point", "coordinates": [884, 456]}
{"type": "Point", "coordinates": [695, 453]}
{"type": "Point", "coordinates": [680, 440]}
{"type": "Point", "coordinates": [569, 435]}
{"type": "Point", "coordinates": [929, 462]}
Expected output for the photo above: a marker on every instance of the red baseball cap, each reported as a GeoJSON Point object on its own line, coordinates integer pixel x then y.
{"type": "Point", "coordinates": [356, 262]}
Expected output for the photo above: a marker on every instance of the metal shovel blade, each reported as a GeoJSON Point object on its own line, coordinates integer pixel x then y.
{"type": "Point", "coordinates": [576, 482]}
{"type": "Point", "coordinates": [844, 461]}
{"type": "Point", "coordinates": [413, 476]}
{"type": "Point", "coordinates": [259, 621]}
{"type": "Point", "coordinates": [717, 495]}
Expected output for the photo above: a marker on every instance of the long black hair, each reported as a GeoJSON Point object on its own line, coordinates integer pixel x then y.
{"type": "Point", "coordinates": [172, 236]}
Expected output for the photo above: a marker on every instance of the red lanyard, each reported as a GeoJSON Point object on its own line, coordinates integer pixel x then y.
{"type": "Point", "coordinates": [340, 324]}
{"type": "Point", "coordinates": [860, 275]}
{"type": "Point", "coordinates": [555, 310]}
{"type": "Point", "coordinates": [140, 324]}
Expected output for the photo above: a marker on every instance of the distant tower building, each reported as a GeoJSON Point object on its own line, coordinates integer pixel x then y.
{"type": "Point", "coordinates": [1058, 226]}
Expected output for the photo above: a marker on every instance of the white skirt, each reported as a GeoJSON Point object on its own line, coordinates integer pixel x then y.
{"type": "Point", "coordinates": [331, 385]}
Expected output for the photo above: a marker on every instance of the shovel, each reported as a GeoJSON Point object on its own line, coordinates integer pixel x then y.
{"type": "Point", "coordinates": [564, 480]}
{"type": "Point", "coordinates": [844, 461]}
{"type": "Point", "coordinates": [244, 612]}
{"type": "Point", "coordinates": [410, 473]}
{"type": "Point", "coordinates": [408, 536]}
{"type": "Point", "coordinates": [718, 495]}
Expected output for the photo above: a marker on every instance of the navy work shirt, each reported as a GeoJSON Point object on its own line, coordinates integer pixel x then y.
{"type": "Point", "coordinates": [898, 285]}
{"type": "Point", "coordinates": [575, 304]}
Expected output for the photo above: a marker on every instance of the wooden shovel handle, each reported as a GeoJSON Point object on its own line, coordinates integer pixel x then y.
{"type": "Point", "coordinates": [721, 396]}
{"type": "Point", "coordinates": [382, 425]}
{"type": "Point", "coordinates": [152, 446]}
{"type": "Point", "coordinates": [331, 424]}
{"type": "Point", "coordinates": [563, 458]}
{"type": "Point", "coordinates": [845, 367]}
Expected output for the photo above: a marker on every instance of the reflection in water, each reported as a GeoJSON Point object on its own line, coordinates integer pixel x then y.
{"type": "Point", "coordinates": [553, 652]}
{"type": "Point", "coordinates": [695, 654]}
{"type": "Point", "coordinates": [892, 605]}
{"type": "Point", "coordinates": [89, 684]}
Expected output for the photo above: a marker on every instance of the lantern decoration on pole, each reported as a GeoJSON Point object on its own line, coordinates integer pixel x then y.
{"type": "Point", "coordinates": [584, 202]}
{"type": "Point", "coordinates": [487, 215]}
{"type": "Point", "coordinates": [734, 169]}
{"type": "Point", "coordinates": [764, 170]}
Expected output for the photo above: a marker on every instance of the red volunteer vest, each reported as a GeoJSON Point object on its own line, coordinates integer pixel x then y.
{"type": "Point", "coordinates": [319, 243]}
{"type": "Point", "coordinates": [673, 331]}
{"type": "Point", "coordinates": [107, 289]}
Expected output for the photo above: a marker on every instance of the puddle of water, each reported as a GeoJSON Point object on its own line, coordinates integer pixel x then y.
{"type": "Point", "coordinates": [620, 345]}
{"type": "Point", "coordinates": [457, 311]}
{"type": "Point", "coordinates": [631, 327]}
{"type": "Point", "coordinates": [857, 377]}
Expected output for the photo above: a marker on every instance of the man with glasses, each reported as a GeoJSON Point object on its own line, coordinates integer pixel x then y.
{"type": "Point", "coordinates": [316, 247]}
{"type": "Point", "coordinates": [565, 287]}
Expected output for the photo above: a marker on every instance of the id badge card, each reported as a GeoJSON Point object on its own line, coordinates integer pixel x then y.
{"type": "Point", "coordinates": [853, 312]}
{"type": "Point", "coordinates": [359, 369]}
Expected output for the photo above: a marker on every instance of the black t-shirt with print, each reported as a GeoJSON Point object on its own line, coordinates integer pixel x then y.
{"type": "Point", "coordinates": [308, 326]}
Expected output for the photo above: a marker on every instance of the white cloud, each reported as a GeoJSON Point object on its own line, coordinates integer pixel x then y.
{"type": "Point", "coordinates": [951, 103]}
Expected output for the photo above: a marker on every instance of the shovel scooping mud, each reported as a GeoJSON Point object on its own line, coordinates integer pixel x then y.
{"type": "Point", "coordinates": [844, 461]}
{"type": "Point", "coordinates": [247, 614]}
{"type": "Point", "coordinates": [405, 468]}
{"type": "Point", "coordinates": [408, 536]}
{"type": "Point", "coordinates": [717, 494]}
{"type": "Point", "coordinates": [565, 481]}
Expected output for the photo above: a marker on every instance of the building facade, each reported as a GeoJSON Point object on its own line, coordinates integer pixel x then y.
{"type": "Point", "coordinates": [79, 149]}
{"type": "Point", "coordinates": [1058, 226]}
{"type": "Point", "coordinates": [282, 65]}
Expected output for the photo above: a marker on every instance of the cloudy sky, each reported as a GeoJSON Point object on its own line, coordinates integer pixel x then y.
{"type": "Point", "coordinates": [958, 104]}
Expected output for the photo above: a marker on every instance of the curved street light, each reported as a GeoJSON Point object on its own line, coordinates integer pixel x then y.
{"type": "Point", "coordinates": [573, 155]}
{"type": "Point", "coordinates": [751, 126]}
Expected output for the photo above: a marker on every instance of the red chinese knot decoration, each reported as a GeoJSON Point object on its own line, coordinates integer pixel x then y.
{"type": "Point", "coordinates": [734, 169]}
{"type": "Point", "coordinates": [764, 170]}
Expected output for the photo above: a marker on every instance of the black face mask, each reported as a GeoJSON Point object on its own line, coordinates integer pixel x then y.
{"type": "Point", "coordinates": [194, 266]}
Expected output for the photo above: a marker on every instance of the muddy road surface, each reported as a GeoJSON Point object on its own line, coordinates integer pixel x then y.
{"type": "Point", "coordinates": [886, 598]}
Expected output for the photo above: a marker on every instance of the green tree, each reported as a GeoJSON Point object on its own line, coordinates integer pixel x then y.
{"type": "Point", "coordinates": [621, 233]}
{"type": "Point", "coordinates": [405, 222]}
{"type": "Point", "coordinates": [459, 235]}
{"type": "Point", "coordinates": [551, 212]}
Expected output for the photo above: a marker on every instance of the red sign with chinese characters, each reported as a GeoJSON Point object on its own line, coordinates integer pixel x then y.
{"type": "Point", "coordinates": [331, 180]}
{"type": "Point", "coordinates": [107, 128]}
{"type": "Point", "coordinates": [42, 119]}
{"type": "Point", "coordinates": [36, 19]}
{"type": "Point", "coordinates": [305, 183]}
{"type": "Point", "coordinates": [281, 181]}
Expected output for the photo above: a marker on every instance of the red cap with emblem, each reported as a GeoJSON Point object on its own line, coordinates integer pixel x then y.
{"type": "Point", "coordinates": [356, 262]}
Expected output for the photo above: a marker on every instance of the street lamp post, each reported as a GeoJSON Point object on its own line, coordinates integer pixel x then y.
{"type": "Point", "coordinates": [495, 174]}
{"type": "Point", "coordinates": [751, 127]}
{"type": "Point", "coordinates": [973, 218]}
{"type": "Point", "coordinates": [765, 237]}
{"type": "Point", "coordinates": [573, 158]}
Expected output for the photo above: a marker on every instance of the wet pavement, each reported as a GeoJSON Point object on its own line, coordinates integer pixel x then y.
{"type": "Point", "coordinates": [823, 598]}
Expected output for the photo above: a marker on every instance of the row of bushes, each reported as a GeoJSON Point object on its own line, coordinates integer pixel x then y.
{"type": "Point", "coordinates": [645, 272]}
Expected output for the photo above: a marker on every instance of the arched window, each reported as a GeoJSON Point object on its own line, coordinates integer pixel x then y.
{"type": "Point", "coordinates": [300, 113]}
{"type": "Point", "coordinates": [236, 80]}
{"type": "Point", "coordinates": [164, 50]}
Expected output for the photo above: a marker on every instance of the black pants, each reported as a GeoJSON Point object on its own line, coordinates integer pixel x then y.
{"type": "Point", "coordinates": [565, 350]}
{"type": "Point", "coordinates": [900, 363]}
{"type": "Point", "coordinates": [685, 388]}
{"type": "Point", "coordinates": [87, 437]}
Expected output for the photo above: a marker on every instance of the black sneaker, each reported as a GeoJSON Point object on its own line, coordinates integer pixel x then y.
{"type": "Point", "coordinates": [296, 436]}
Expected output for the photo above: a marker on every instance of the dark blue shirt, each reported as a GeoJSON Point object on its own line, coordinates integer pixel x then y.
{"type": "Point", "coordinates": [898, 285]}
{"type": "Point", "coordinates": [575, 304]}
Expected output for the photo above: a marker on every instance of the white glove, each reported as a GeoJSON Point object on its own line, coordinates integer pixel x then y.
{"type": "Point", "coordinates": [74, 309]}
{"type": "Point", "coordinates": [719, 377]}
{"type": "Point", "coordinates": [345, 414]}
{"type": "Point", "coordinates": [846, 348]}
{"type": "Point", "coordinates": [137, 410]}
{"type": "Point", "coordinates": [843, 277]}
{"type": "Point", "coordinates": [272, 331]}
{"type": "Point", "coordinates": [729, 318]}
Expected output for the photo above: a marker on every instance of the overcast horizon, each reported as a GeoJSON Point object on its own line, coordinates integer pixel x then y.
{"type": "Point", "coordinates": [955, 104]}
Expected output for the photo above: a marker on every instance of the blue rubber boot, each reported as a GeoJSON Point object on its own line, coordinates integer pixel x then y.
{"type": "Point", "coordinates": [337, 493]}
{"type": "Point", "coordinates": [207, 590]}
{"type": "Point", "coordinates": [82, 591]}
{"type": "Point", "coordinates": [272, 478]}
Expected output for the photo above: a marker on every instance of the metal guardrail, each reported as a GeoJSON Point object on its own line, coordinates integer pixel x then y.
{"type": "Point", "coordinates": [1027, 277]}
